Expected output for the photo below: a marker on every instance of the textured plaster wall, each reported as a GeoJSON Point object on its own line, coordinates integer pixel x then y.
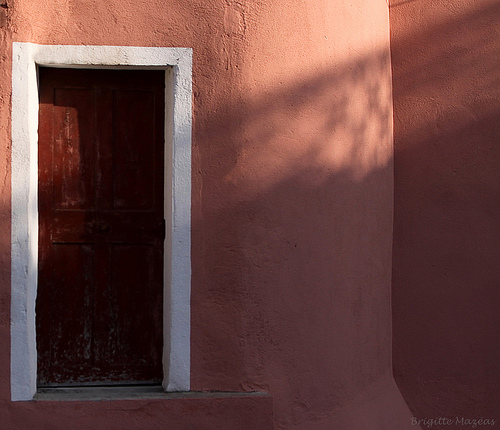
{"type": "Point", "coordinates": [446, 277]}
{"type": "Point", "coordinates": [291, 209]}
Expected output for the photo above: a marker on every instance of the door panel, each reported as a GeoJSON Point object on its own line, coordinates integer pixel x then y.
{"type": "Point", "coordinates": [133, 173]}
{"type": "Point", "coordinates": [124, 297]}
{"type": "Point", "coordinates": [99, 302]}
{"type": "Point", "coordinates": [74, 149]}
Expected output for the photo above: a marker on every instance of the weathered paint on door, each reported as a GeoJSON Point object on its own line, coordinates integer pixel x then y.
{"type": "Point", "coordinates": [99, 303]}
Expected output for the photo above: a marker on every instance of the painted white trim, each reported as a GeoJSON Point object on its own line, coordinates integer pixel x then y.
{"type": "Point", "coordinates": [177, 63]}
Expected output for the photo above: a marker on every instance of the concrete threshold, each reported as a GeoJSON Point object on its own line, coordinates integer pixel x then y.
{"type": "Point", "coordinates": [131, 393]}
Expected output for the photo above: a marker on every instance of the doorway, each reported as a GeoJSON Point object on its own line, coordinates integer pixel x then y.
{"type": "Point", "coordinates": [99, 303]}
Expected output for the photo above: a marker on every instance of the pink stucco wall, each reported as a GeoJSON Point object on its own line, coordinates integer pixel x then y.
{"type": "Point", "coordinates": [291, 203]}
{"type": "Point", "coordinates": [446, 277]}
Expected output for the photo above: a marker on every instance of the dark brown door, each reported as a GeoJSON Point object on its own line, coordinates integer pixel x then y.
{"type": "Point", "coordinates": [99, 300]}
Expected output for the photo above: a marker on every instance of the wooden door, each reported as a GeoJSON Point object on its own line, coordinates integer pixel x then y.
{"type": "Point", "coordinates": [99, 300]}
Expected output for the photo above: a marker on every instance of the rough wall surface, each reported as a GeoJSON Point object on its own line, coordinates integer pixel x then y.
{"type": "Point", "coordinates": [446, 66]}
{"type": "Point", "coordinates": [291, 209]}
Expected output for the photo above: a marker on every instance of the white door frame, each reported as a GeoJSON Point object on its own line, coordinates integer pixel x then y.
{"type": "Point", "coordinates": [177, 63]}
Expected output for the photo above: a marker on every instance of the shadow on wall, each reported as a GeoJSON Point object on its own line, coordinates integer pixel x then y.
{"type": "Point", "coordinates": [292, 232]}
{"type": "Point", "coordinates": [446, 275]}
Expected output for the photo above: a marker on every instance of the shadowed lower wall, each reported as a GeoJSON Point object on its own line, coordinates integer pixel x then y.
{"type": "Point", "coordinates": [446, 276]}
